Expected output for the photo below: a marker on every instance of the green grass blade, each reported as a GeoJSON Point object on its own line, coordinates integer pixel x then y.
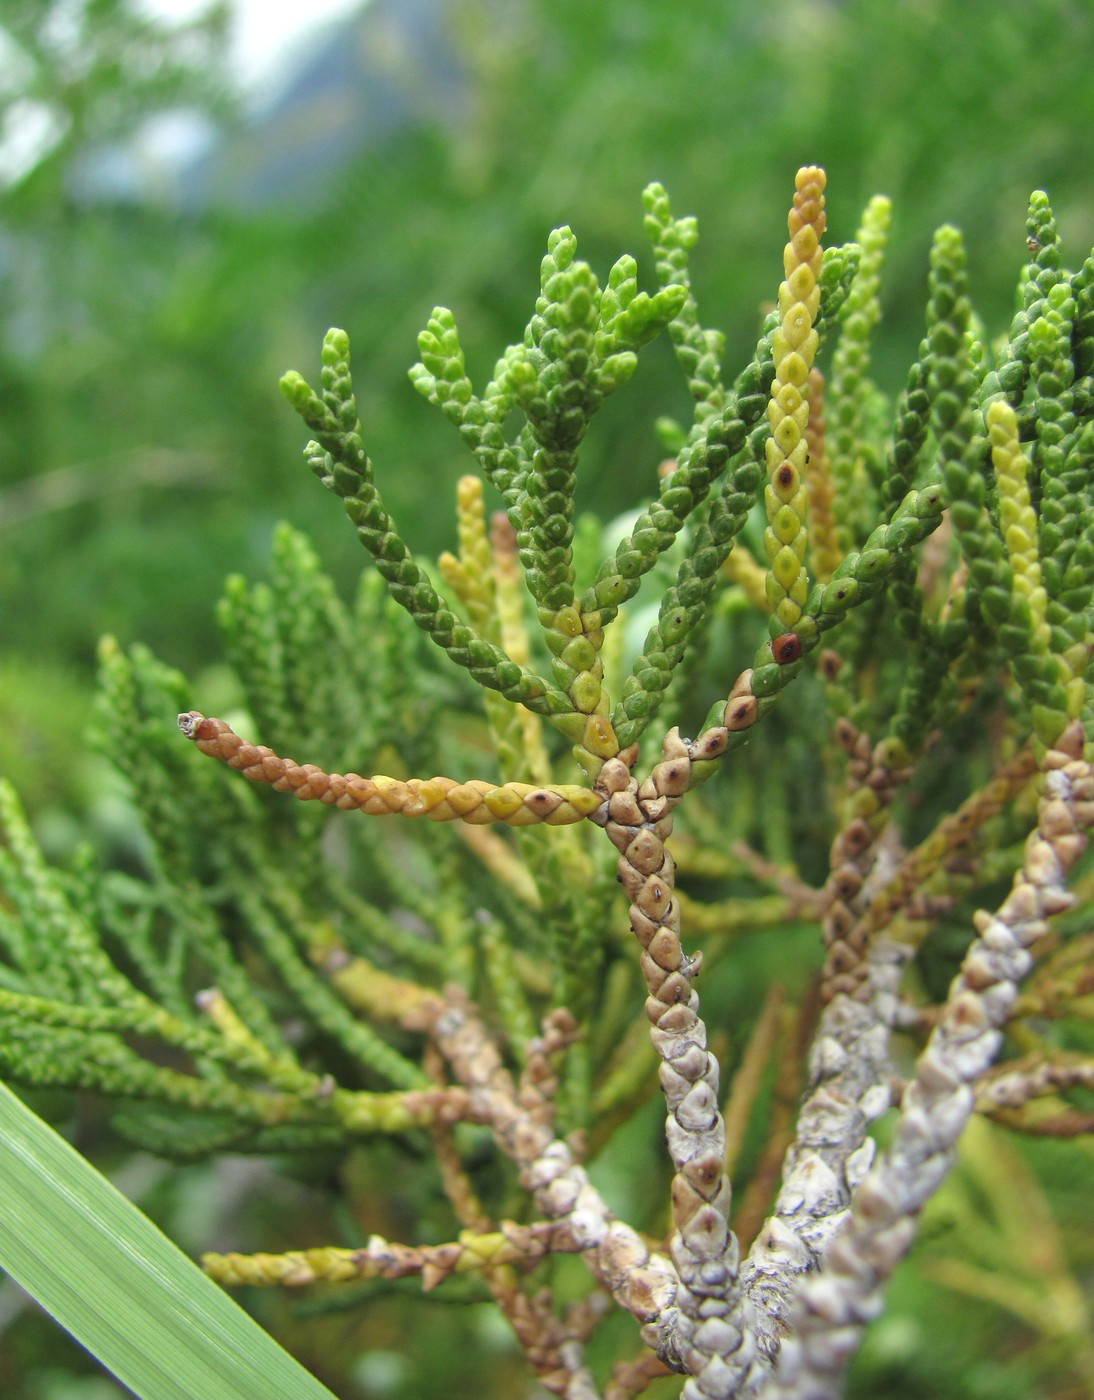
{"type": "Point", "coordinates": [124, 1291]}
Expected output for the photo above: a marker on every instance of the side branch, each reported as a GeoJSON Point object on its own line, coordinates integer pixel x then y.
{"type": "Point", "coordinates": [642, 1283]}
{"type": "Point", "coordinates": [835, 1304]}
{"type": "Point", "coordinates": [439, 799]}
{"type": "Point", "coordinates": [522, 1245]}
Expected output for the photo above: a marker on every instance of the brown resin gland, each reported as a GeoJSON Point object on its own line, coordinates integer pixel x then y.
{"type": "Point", "coordinates": [786, 648]}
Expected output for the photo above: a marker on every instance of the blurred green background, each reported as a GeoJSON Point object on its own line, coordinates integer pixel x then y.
{"type": "Point", "coordinates": [172, 239]}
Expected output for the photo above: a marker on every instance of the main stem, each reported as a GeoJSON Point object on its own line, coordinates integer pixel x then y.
{"type": "Point", "coordinates": [697, 1336]}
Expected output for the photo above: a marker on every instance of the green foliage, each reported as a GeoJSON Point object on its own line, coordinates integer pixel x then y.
{"type": "Point", "coordinates": [139, 455]}
{"type": "Point", "coordinates": [260, 980]}
{"type": "Point", "coordinates": [148, 392]}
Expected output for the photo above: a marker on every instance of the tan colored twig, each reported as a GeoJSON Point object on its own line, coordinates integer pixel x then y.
{"type": "Point", "coordinates": [631, 1378]}
{"type": "Point", "coordinates": [724, 917]}
{"type": "Point", "coordinates": [745, 1084]}
{"type": "Point", "coordinates": [1006, 1093]}
{"type": "Point", "coordinates": [794, 1030]}
{"type": "Point", "coordinates": [952, 832]}
{"type": "Point", "coordinates": [802, 899]}
{"type": "Point", "coordinates": [462, 1196]}
{"type": "Point", "coordinates": [848, 1065]}
{"type": "Point", "coordinates": [539, 1333]}
{"type": "Point", "coordinates": [642, 1284]}
{"type": "Point", "coordinates": [522, 1245]}
{"type": "Point", "coordinates": [502, 862]}
{"type": "Point", "coordinates": [539, 1078]}
{"type": "Point", "coordinates": [1048, 1116]}
{"type": "Point", "coordinates": [1064, 982]}
{"type": "Point", "coordinates": [873, 774]}
{"type": "Point", "coordinates": [438, 799]}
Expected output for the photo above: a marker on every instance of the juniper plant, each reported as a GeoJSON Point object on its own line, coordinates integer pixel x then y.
{"type": "Point", "coordinates": [921, 578]}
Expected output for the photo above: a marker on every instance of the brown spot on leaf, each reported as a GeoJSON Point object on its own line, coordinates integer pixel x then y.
{"type": "Point", "coordinates": [786, 648]}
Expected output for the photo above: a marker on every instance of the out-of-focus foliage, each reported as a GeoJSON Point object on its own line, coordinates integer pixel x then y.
{"type": "Point", "coordinates": [81, 75]}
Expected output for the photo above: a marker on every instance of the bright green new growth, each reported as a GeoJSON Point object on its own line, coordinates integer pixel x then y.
{"type": "Point", "coordinates": [580, 345]}
{"type": "Point", "coordinates": [268, 982]}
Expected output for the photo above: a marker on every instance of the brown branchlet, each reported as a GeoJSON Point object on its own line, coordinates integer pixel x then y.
{"type": "Point", "coordinates": [438, 799]}
{"type": "Point", "coordinates": [873, 780]}
{"type": "Point", "coordinates": [703, 1249]}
